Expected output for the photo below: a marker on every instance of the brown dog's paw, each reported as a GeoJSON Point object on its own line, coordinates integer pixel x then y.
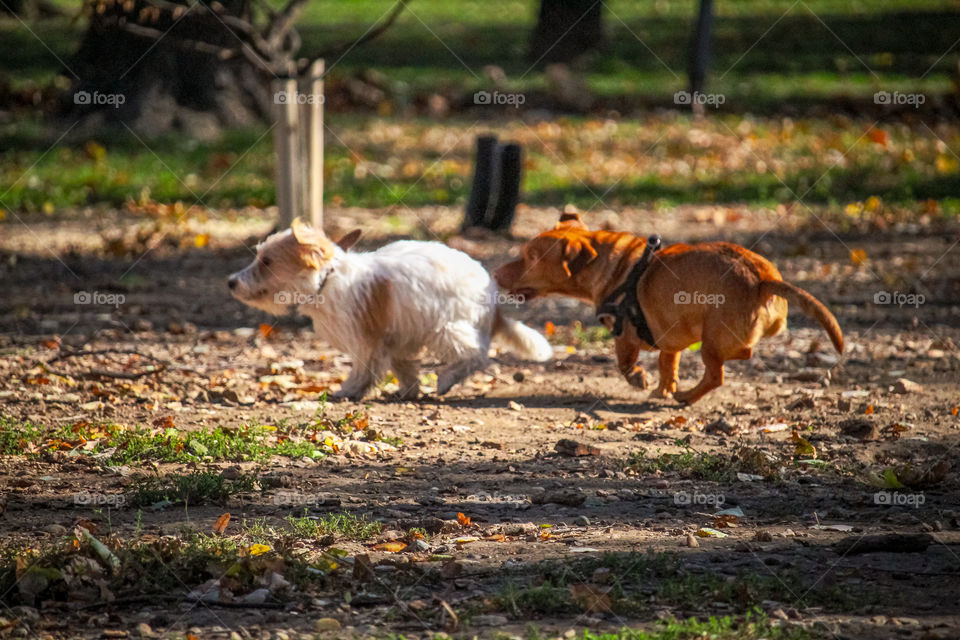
{"type": "Point", "coordinates": [686, 397]}
{"type": "Point", "coordinates": [638, 378]}
{"type": "Point", "coordinates": [663, 392]}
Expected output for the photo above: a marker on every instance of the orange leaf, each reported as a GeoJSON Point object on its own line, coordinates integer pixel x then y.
{"type": "Point", "coordinates": [858, 256]}
{"type": "Point", "coordinates": [549, 328]}
{"type": "Point", "coordinates": [954, 411]}
{"type": "Point", "coordinates": [869, 410]}
{"type": "Point", "coordinates": [266, 330]}
{"type": "Point", "coordinates": [52, 344]}
{"type": "Point", "coordinates": [545, 535]}
{"type": "Point", "coordinates": [222, 523]}
{"type": "Point", "coordinates": [878, 136]}
{"type": "Point", "coordinates": [463, 520]}
{"type": "Point", "coordinates": [497, 537]}
{"type": "Point", "coordinates": [392, 547]}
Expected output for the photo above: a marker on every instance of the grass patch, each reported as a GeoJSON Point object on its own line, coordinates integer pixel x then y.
{"type": "Point", "coordinates": [117, 444]}
{"type": "Point", "coordinates": [689, 463]}
{"type": "Point", "coordinates": [636, 584]}
{"type": "Point", "coordinates": [754, 625]}
{"type": "Point", "coordinates": [164, 565]}
{"type": "Point", "coordinates": [341, 525]}
{"type": "Point", "coordinates": [196, 488]}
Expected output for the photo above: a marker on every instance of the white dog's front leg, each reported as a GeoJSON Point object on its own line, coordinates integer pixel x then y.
{"type": "Point", "coordinates": [408, 375]}
{"type": "Point", "coordinates": [356, 385]}
{"type": "Point", "coordinates": [457, 372]}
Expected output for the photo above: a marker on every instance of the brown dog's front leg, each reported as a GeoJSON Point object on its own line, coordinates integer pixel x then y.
{"type": "Point", "coordinates": [669, 365]}
{"type": "Point", "coordinates": [628, 349]}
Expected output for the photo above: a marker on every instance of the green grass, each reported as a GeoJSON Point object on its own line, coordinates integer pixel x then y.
{"type": "Point", "coordinates": [755, 625]}
{"type": "Point", "coordinates": [122, 445]}
{"type": "Point", "coordinates": [797, 56]}
{"type": "Point", "coordinates": [662, 161]}
{"type": "Point", "coordinates": [640, 583]}
{"type": "Point", "coordinates": [198, 487]}
{"type": "Point", "coordinates": [161, 566]}
{"type": "Point", "coordinates": [341, 525]}
{"type": "Point", "coordinates": [689, 463]}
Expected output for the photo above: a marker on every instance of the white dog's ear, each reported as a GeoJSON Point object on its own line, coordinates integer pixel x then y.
{"type": "Point", "coordinates": [349, 240]}
{"type": "Point", "coordinates": [304, 233]}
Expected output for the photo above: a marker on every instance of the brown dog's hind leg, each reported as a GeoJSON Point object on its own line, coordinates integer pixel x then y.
{"type": "Point", "coordinates": [669, 364]}
{"type": "Point", "coordinates": [627, 352]}
{"type": "Point", "coordinates": [712, 378]}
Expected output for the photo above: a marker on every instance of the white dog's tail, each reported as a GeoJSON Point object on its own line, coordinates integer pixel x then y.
{"type": "Point", "coordinates": [524, 341]}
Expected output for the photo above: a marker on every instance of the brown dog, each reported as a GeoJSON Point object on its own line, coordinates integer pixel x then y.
{"type": "Point", "coordinates": [719, 293]}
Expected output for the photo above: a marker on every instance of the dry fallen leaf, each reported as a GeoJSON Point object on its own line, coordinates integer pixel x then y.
{"type": "Point", "coordinates": [549, 328]}
{"type": "Point", "coordinates": [221, 524]}
{"type": "Point", "coordinates": [391, 547]}
{"type": "Point", "coordinates": [803, 446]}
{"type": "Point", "coordinates": [266, 330]}
{"type": "Point", "coordinates": [858, 256]}
{"type": "Point", "coordinates": [463, 520]}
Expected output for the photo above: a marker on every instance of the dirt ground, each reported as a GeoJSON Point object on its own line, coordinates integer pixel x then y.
{"type": "Point", "coordinates": [488, 449]}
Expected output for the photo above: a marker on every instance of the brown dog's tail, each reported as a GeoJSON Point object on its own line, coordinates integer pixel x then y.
{"type": "Point", "coordinates": [810, 305]}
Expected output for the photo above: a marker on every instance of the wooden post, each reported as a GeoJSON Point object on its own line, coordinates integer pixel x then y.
{"type": "Point", "coordinates": [509, 178]}
{"type": "Point", "coordinates": [483, 170]}
{"type": "Point", "coordinates": [286, 145]}
{"type": "Point", "coordinates": [311, 112]}
{"type": "Point", "coordinates": [700, 53]}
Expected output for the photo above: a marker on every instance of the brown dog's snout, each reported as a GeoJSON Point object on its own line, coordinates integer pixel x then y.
{"type": "Point", "coordinates": [506, 275]}
{"type": "Point", "coordinates": [232, 282]}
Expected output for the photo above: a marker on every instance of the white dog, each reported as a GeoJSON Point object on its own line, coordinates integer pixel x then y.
{"type": "Point", "coordinates": [382, 308]}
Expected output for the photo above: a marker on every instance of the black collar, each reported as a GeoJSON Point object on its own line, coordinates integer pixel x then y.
{"type": "Point", "coordinates": [323, 281]}
{"type": "Point", "coordinates": [623, 303]}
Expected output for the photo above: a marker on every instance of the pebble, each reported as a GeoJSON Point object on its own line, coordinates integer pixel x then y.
{"type": "Point", "coordinates": [582, 521]}
{"type": "Point", "coordinates": [326, 624]}
{"type": "Point", "coordinates": [144, 630]}
{"type": "Point", "coordinates": [691, 541]}
{"type": "Point", "coordinates": [55, 529]}
{"type": "Point", "coordinates": [902, 385]}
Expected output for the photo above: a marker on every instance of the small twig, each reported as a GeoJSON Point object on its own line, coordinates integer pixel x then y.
{"type": "Point", "coordinates": [164, 598]}
{"type": "Point", "coordinates": [123, 375]}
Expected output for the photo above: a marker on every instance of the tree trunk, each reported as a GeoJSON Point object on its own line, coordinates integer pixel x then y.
{"type": "Point", "coordinates": [157, 85]}
{"type": "Point", "coordinates": [566, 29]}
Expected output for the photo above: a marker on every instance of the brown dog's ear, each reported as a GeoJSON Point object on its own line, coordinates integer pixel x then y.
{"type": "Point", "coordinates": [349, 240]}
{"type": "Point", "coordinates": [570, 218]}
{"type": "Point", "coordinates": [576, 256]}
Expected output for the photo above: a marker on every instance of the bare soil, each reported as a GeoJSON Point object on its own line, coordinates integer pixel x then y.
{"type": "Point", "coordinates": [487, 450]}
